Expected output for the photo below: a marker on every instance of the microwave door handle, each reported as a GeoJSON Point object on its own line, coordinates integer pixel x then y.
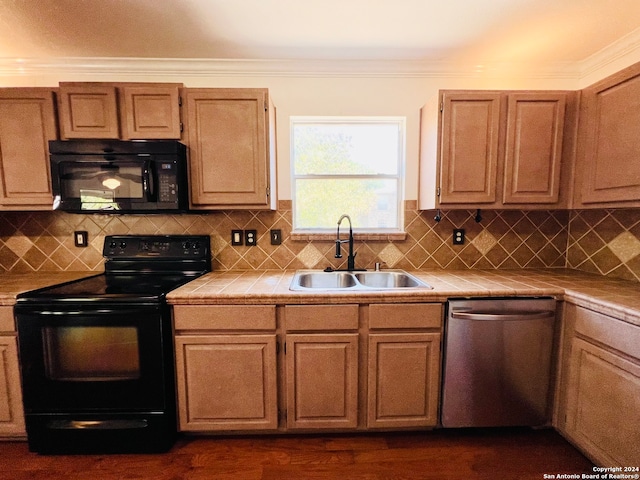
{"type": "Point", "coordinates": [147, 181]}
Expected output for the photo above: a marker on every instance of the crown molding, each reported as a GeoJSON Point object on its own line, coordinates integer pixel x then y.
{"type": "Point", "coordinates": [626, 48]}
{"type": "Point", "coordinates": [97, 67]}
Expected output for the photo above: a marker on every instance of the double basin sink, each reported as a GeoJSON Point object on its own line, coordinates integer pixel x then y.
{"type": "Point", "coordinates": [308, 280]}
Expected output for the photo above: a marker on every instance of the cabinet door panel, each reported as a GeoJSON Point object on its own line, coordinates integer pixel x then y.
{"type": "Point", "coordinates": [88, 111]}
{"type": "Point", "coordinates": [151, 112]}
{"type": "Point", "coordinates": [469, 149]}
{"type": "Point", "coordinates": [11, 410]}
{"type": "Point", "coordinates": [226, 382]}
{"type": "Point", "coordinates": [603, 404]}
{"type": "Point", "coordinates": [610, 142]}
{"type": "Point", "coordinates": [404, 378]}
{"type": "Point", "coordinates": [535, 127]}
{"type": "Point", "coordinates": [322, 381]}
{"type": "Point", "coordinates": [228, 146]}
{"type": "Point", "coordinates": [27, 123]}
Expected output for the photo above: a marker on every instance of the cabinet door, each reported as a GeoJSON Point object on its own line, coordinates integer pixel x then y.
{"type": "Point", "coordinates": [322, 381]}
{"type": "Point", "coordinates": [88, 111]}
{"type": "Point", "coordinates": [608, 158]}
{"type": "Point", "coordinates": [533, 153]}
{"type": "Point", "coordinates": [150, 112]}
{"type": "Point", "coordinates": [229, 148]}
{"type": "Point", "coordinates": [27, 123]}
{"type": "Point", "coordinates": [11, 410]}
{"type": "Point", "coordinates": [603, 404]}
{"type": "Point", "coordinates": [469, 147]}
{"type": "Point", "coordinates": [404, 379]}
{"type": "Point", "coordinates": [226, 382]}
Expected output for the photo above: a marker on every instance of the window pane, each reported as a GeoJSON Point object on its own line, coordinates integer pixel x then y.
{"type": "Point", "coordinates": [370, 203]}
{"type": "Point", "coordinates": [346, 149]}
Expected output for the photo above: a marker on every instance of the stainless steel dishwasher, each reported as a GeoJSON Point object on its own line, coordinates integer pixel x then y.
{"type": "Point", "coordinates": [497, 362]}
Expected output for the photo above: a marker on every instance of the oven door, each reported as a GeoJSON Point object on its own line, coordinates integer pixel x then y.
{"type": "Point", "coordinates": [83, 358]}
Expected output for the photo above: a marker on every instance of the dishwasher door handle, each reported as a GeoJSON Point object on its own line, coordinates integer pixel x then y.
{"type": "Point", "coordinates": [509, 315]}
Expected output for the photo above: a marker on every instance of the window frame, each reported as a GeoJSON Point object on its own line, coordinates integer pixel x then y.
{"type": "Point", "coordinates": [399, 177]}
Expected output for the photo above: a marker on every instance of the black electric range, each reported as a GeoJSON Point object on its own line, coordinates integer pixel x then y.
{"type": "Point", "coordinates": [97, 353]}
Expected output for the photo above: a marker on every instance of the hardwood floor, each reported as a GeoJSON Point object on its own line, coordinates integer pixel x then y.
{"type": "Point", "coordinates": [519, 454]}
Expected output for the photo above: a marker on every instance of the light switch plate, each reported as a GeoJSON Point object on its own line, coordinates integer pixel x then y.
{"type": "Point", "coordinates": [276, 236]}
{"type": "Point", "coordinates": [81, 238]}
{"type": "Point", "coordinates": [236, 237]}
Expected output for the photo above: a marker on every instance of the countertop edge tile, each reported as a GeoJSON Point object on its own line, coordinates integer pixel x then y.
{"type": "Point", "coordinates": [272, 287]}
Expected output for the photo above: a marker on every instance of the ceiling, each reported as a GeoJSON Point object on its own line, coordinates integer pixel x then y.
{"type": "Point", "coordinates": [523, 31]}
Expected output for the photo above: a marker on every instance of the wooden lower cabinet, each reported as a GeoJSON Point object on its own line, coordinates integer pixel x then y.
{"type": "Point", "coordinates": [403, 365]}
{"type": "Point", "coordinates": [322, 381]}
{"type": "Point", "coordinates": [600, 398]}
{"type": "Point", "coordinates": [226, 367]}
{"type": "Point", "coordinates": [403, 380]}
{"type": "Point", "coordinates": [341, 367]}
{"type": "Point", "coordinates": [603, 401]}
{"type": "Point", "coordinates": [11, 409]}
{"type": "Point", "coordinates": [227, 382]}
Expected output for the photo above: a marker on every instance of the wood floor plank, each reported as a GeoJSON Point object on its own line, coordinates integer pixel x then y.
{"type": "Point", "coordinates": [510, 454]}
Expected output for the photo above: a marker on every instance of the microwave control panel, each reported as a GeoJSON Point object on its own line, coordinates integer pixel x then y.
{"type": "Point", "coordinates": [168, 186]}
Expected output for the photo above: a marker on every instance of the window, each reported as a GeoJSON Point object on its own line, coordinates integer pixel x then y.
{"type": "Point", "coordinates": [347, 165]}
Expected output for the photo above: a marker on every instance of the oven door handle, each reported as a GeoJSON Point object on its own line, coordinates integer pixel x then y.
{"type": "Point", "coordinates": [137, 310]}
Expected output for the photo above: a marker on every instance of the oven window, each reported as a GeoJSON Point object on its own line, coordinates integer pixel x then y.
{"type": "Point", "coordinates": [91, 353]}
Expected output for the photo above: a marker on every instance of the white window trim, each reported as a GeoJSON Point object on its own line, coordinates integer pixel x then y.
{"type": "Point", "coordinates": [370, 233]}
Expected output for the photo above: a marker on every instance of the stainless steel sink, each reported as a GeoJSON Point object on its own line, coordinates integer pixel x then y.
{"type": "Point", "coordinates": [325, 280]}
{"type": "Point", "coordinates": [388, 279]}
{"type": "Point", "coordinates": [306, 280]}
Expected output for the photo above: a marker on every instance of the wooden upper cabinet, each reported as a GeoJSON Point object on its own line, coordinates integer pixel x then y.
{"type": "Point", "coordinates": [231, 145]}
{"type": "Point", "coordinates": [27, 123]}
{"type": "Point", "coordinates": [609, 153]}
{"type": "Point", "coordinates": [120, 111]}
{"type": "Point", "coordinates": [469, 147]}
{"type": "Point", "coordinates": [533, 153]}
{"type": "Point", "coordinates": [88, 111]}
{"type": "Point", "coordinates": [151, 112]}
{"type": "Point", "coordinates": [499, 149]}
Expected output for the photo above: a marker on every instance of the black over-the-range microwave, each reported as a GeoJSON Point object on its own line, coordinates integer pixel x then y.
{"type": "Point", "coordinates": [118, 176]}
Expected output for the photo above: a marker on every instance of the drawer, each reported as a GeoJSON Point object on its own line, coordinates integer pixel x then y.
{"type": "Point", "coordinates": [224, 317]}
{"type": "Point", "coordinates": [321, 317]}
{"type": "Point", "coordinates": [405, 315]}
{"type": "Point", "coordinates": [608, 330]}
{"type": "Point", "coordinates": [7, 323]}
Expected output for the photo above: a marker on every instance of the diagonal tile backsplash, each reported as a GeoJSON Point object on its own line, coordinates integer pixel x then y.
{"type": "Point", "coordinates": [606, 242]}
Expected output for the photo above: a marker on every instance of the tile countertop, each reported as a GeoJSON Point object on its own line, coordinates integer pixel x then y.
{"type": "Point", "coordinates": [12, 284]}
{"type": "Point", "coordinates": [609, 296]}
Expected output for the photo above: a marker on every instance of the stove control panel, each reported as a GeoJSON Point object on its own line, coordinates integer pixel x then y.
{"type": "Point", "coordinates": [144, 246]}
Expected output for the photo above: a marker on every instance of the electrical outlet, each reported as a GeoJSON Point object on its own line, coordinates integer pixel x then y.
{"type": "Point", "coordinates": [458, 236]}
{"type": "Point", "coordinates": [250, 238]}
{"type": "Point", "coordinates": [81, 238]}
{"type": "Point", "coordinates": [236, 237]}
{"type": "Point", "coordinates": [276, 237]}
